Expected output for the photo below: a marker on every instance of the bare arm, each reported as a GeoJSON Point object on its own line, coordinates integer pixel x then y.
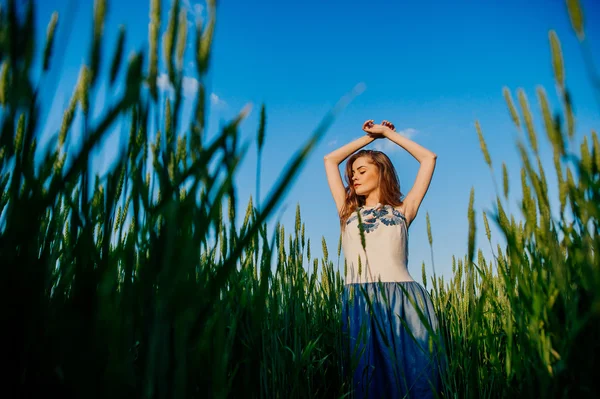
{"type": "Point", "coordinates": [427, 159]}
{"type": "Point", "coordinates": [332, 162]}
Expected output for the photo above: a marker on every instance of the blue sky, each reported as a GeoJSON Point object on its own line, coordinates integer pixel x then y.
{"type": "Point", "coordinates": [431, 67]}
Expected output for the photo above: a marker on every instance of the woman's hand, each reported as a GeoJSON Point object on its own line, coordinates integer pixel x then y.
{"type": "Point", "coordinates": [389, 124]}
{"type": "Point", "coordinates": [377, 131]}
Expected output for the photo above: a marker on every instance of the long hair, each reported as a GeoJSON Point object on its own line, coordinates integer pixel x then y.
{"type": "Point", "coordinates": [389, 185]}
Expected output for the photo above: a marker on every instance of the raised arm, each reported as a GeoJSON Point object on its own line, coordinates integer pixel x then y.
{"type": "Point", "coordinates": [332, 168]}
{"type": "Point", "coordinates": [427, 159]}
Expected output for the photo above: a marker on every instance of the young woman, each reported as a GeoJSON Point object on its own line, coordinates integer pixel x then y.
{"type": "Point", "coordinates": [389, 317]}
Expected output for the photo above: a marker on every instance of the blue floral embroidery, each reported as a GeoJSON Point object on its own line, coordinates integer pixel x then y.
{"type": "Point", "coordinates": [372, 216]}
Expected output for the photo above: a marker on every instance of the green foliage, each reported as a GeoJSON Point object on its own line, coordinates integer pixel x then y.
{"type": "Point", "coordinates": [530, 328]}
{"type": "Point", "coordinates": [137, 283]}
{"type": "Point", "coordinates": [140, 284]}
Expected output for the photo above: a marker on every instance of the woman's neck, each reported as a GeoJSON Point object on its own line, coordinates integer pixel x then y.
{"type": "Point", "coordinates": [372, 199]}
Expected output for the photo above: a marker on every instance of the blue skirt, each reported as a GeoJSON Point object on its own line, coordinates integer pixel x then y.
{"type": "Point", "coordinates": [392, 351]}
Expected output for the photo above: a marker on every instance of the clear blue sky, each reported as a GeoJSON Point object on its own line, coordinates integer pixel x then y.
{"type": "Point", "coordinates": [431, 67]}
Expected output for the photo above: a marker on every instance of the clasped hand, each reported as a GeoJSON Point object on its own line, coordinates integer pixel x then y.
{"type": "Point", "coordinates": [378, 130]}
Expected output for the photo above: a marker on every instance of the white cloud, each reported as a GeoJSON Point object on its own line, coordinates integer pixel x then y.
{"type": "Point", "coordinates": [163, 83]}
{"type": "Point", "coordinates": [189, 85]}
{"type": "Point", "coordinates": [409, 133]}
{"type": "Point", "coordinates": [216, 100]}
{"type": "Point", "coordinates": [332, 143]}
{"type": "Point", "coordinates": [194, 10]}
{"type": "Point", "coordinates": [194, 16]}
{"type": "Point", "coordinates": [387, 146]}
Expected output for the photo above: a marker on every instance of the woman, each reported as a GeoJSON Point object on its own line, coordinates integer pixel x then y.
{"type": "Point", "coordinates": [389, 317]}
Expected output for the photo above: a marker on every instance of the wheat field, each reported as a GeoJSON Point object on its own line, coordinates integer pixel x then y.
{"type": "Point", "coordinates": [138, 283]}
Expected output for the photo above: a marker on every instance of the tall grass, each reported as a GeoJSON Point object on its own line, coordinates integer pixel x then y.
{"type": "Point", "coordinates": [525, 324]}
{"type": "Point", "coordinates": [139, 283]}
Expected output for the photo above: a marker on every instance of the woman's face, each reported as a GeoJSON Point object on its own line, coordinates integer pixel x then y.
{"type": "Point", "coordinates": [365, 176]}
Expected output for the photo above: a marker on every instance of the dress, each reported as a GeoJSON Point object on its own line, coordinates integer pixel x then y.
{"type": "Point", "coordinates": [393, 352]}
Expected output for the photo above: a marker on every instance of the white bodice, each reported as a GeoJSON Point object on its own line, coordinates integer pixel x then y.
{"type": "Point", "coordinates": [386, 242]}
